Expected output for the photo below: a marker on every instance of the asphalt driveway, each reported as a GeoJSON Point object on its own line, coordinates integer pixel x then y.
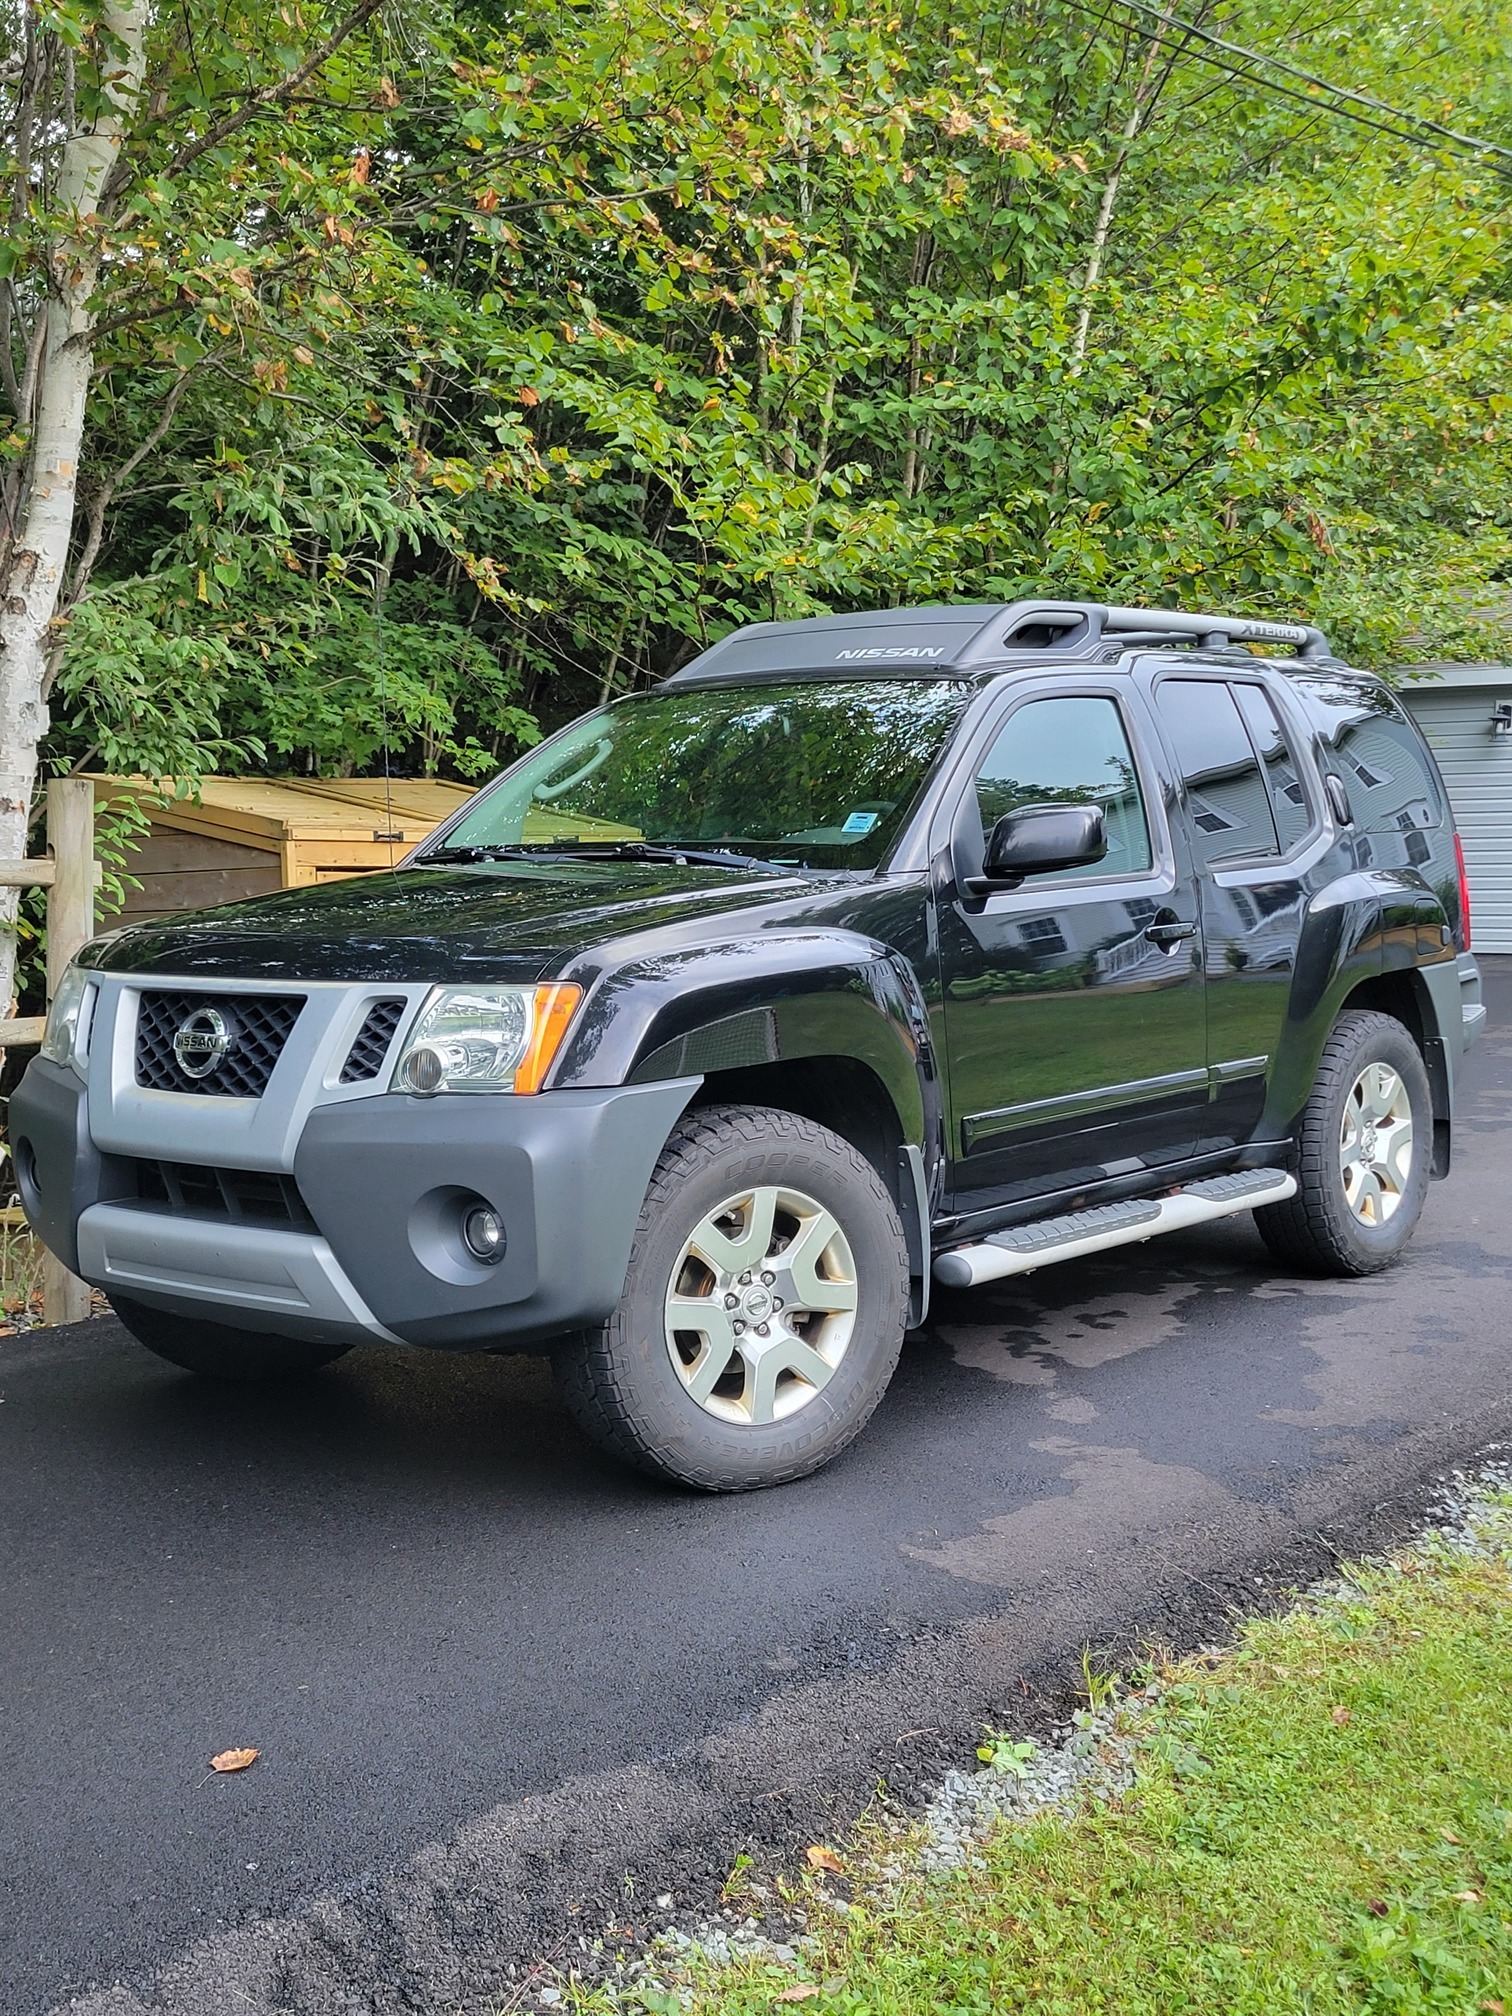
{"type": "Point", "coordinates": [503, 1689]}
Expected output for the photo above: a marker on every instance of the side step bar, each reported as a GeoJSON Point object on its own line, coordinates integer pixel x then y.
{"type": "Point", "coordinates": [1024, 1247]}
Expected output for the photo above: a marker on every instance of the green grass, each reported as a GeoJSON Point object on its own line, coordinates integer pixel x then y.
{"type": "Point", "coordinates": [20, 1272]}
{"type": "Point", "coordinates": [1322, 1823]}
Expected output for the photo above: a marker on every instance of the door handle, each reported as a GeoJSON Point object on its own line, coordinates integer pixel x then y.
{"type": "Point", "coordinates": [1338, 798]}
{"type": "Point", "coordinates": [1170, 930]}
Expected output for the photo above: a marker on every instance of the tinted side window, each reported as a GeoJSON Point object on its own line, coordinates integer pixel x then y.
{"type": "Point", "coordinates": [1071, 751]}
{"type": "Point", "coordinates": [1388, 779]}
{"type": "Point", "coordinates": [1287, 797]}
{"type": "Point", "coordinates": [1379, 755]}
{"type": "Point", "coordinates": [1227, 799]}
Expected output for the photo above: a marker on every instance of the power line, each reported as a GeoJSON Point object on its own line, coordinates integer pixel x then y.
{"type": "Point", "coordinates": [1406, 136]}
{"type": "Point", "coordinates": [1459, 143]}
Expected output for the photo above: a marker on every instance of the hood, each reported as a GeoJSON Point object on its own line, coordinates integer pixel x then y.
{"type": "Point", "coordinates": [496, 920]}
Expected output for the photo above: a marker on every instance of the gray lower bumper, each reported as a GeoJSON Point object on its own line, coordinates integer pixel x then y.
{"type": "Point", "coordinates": [248, 1276]}
{"type": "Point", "coordinates": [566, 1171]}
{"type": "Point", "coordinates": [385, 1180]}
{"type": "Point", "coordinates": [1472, 1008]}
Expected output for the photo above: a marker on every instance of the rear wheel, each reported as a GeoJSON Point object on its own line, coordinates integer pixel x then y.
{"type": "Point", "coordinates": [1365, 1147]}
{"type": "Point", "coordinates": [763, 1307]}
{"type": "Point", "coordinates": [217, 1351]}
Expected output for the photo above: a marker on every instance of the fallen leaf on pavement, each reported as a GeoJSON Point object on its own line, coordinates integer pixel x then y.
{"type": "Point", "coordinates": [801, 1991]}
{"type": "Point", "coordinates": [825, 1858]}
{"type": "Point", "coordinates": [1340, 1716]}
{"type": "Point", "coordinates": [233, 1760]}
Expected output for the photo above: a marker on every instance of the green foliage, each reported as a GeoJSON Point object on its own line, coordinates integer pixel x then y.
{"type": "Point", "coordinates": [1100, 1687]}
{"type": "Point", "coordinates": [498, 368]}
{"type": "Point", "coordinates": [1003, 1754]}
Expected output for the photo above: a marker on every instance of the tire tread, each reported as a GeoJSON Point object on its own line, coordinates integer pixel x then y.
{"type": "Point", "coordinates": [1311, 1231]}
{"type": "Point", "coordinates": [585, 1368]}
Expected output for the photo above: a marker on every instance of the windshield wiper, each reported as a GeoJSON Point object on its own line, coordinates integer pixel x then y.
{"type": "Point", "coordinates": [604, 850]}
{"type": "Point", "coordinates": [494, 850]}
{"type": "Point", "coordinates": [667, 850]}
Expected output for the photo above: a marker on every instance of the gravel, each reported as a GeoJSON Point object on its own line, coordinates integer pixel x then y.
{"type": "Point", "coordinates": [1093, 1756]}
{"type": "Point", "coordinates": [1096, 1755]}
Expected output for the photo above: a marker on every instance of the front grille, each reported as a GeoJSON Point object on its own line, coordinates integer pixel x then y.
{"type": "Point", "coordinates": [371, 1043]}
{"type": "Point", "coordinates": [256, 1027]}
{"type": "Point", "coordinates": [239, 1196]}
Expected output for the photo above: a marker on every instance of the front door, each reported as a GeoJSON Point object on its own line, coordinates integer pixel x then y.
{"type": "Point", "coordinates": [1072, 1005]}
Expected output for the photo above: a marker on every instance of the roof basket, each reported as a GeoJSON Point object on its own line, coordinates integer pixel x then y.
{"type": "Point", "coordinates": [1080, 627]}
{"type": "Point", "coordinates": [957, 637]}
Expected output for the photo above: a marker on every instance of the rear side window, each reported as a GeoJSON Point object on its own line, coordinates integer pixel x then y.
{"type": "Point", "coordinates": [1228, 802]}
{"type": "Point", "coordinates": [1378, 755]}
{"type": "Point", "coordinates": [1288, 800]}
{"type": "Point", "coordinates": [1386, 774]}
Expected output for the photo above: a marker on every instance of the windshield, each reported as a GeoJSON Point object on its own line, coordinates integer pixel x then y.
{"type": "Point", "coordinates": [816, 776]}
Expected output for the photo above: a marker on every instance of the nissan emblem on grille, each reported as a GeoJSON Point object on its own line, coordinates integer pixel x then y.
{"type": "Point", "coordinates": [177, 1046]}
{"type": "Point", "coordinates": [201, 1042]}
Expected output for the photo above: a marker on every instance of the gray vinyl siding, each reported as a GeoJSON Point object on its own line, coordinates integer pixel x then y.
{"type": "Point", "coordinates": [1477, 767]}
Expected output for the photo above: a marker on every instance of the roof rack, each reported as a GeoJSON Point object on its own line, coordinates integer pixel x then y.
{"type": "Point", "coordinates": [972, 636]}
{"type": "Point", "coordinates": [1215, 632]}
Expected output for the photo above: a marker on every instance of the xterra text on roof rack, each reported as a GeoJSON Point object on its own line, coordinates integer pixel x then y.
{"type": "Point", "coordinates": [938, 944]}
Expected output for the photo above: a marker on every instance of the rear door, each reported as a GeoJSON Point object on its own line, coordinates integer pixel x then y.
{"type": "Point", "coordinates": [1252, 808]}
{"type": "Point", "coordinates": [1072, 1006]}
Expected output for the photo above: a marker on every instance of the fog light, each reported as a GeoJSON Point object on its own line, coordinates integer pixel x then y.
{"type": "Point", "coordinates": [483, 1233]}
{"type": "Point", "coordinates": [424, 1071]}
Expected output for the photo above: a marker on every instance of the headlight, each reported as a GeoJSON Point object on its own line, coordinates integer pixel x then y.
{"type": "Point", "coordinates": [499, 1039]}
{"type": "Point", "coordinates": [66, 1037]}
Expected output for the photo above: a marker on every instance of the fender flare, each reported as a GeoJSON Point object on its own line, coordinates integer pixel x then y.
{"type": "Point", "coordinates": [778, 998]}
{"type": "Point", "coordinates": [1364, 926]}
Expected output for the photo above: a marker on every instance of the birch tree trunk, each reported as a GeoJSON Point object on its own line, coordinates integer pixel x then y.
{"type": "Point", "coordinates": [34, 552]}
{"type": "Point", "coordinates": [1146, 91]}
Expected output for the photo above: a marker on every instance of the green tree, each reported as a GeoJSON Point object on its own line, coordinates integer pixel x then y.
{"type": "Point", "coordinates": [428, 379]}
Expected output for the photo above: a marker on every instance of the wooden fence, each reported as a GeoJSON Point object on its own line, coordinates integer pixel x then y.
{"type": "Point", "coordinates": [70, 876]}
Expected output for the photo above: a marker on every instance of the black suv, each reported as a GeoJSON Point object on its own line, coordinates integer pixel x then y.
{"type": "Point", "coordinates": [940, 942]}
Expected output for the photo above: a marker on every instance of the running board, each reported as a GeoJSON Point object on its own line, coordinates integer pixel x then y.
{"type": "Point", "coordinates": [1024, 1247]}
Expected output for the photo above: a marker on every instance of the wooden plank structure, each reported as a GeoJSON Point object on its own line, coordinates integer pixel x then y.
{"type": "Point", "coordinates": [249, 836]}
{"type": "Point", "coordinates": [241, 836]}
{"type": "Point", "coordinates": [70, 878]}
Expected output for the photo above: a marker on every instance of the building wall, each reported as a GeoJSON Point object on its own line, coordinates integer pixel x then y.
{"type": "Point", "coordinates": [1477, 767]}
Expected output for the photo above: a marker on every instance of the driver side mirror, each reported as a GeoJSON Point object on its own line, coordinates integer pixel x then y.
{"type": "Point", "coordinates": [1040, 840]}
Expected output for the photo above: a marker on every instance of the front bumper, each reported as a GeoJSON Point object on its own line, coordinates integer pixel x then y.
{"type": "Point", "coordinates": [383, 1178]}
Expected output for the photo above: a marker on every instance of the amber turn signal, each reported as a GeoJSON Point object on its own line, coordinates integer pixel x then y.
{"type": "Point", "coordinates": [555, 1006]}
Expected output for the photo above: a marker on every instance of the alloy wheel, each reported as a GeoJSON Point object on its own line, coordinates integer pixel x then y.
{"type": "Point", "coordinates": [1375, 1144]}
{"type": "Point", "coordinates": [761, 1306]}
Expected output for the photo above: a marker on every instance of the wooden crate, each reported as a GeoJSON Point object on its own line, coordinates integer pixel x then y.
{"type": "Point", "coordinates": [248, 836]}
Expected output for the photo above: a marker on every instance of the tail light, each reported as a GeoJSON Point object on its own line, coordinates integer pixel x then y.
{"type": "Point", "coordinates": [1464, 896]}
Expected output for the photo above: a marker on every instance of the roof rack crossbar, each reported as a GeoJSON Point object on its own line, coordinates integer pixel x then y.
{"type": "Point", "coordinates": [1094, 621]}
{"type": "Point", "coordinates": [1309, 640]}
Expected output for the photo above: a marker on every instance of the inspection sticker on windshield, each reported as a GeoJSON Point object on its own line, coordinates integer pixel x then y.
{"type": "Point", "coordinates": [860, 822]}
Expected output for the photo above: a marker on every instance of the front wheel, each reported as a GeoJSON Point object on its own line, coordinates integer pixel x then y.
{"type": "Point", "coordinates": [1364, 1153]}
{"type": "Point", "coordinates": [763, 1307]}
{"type": "Point", "coordinates": [216, 1350]}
